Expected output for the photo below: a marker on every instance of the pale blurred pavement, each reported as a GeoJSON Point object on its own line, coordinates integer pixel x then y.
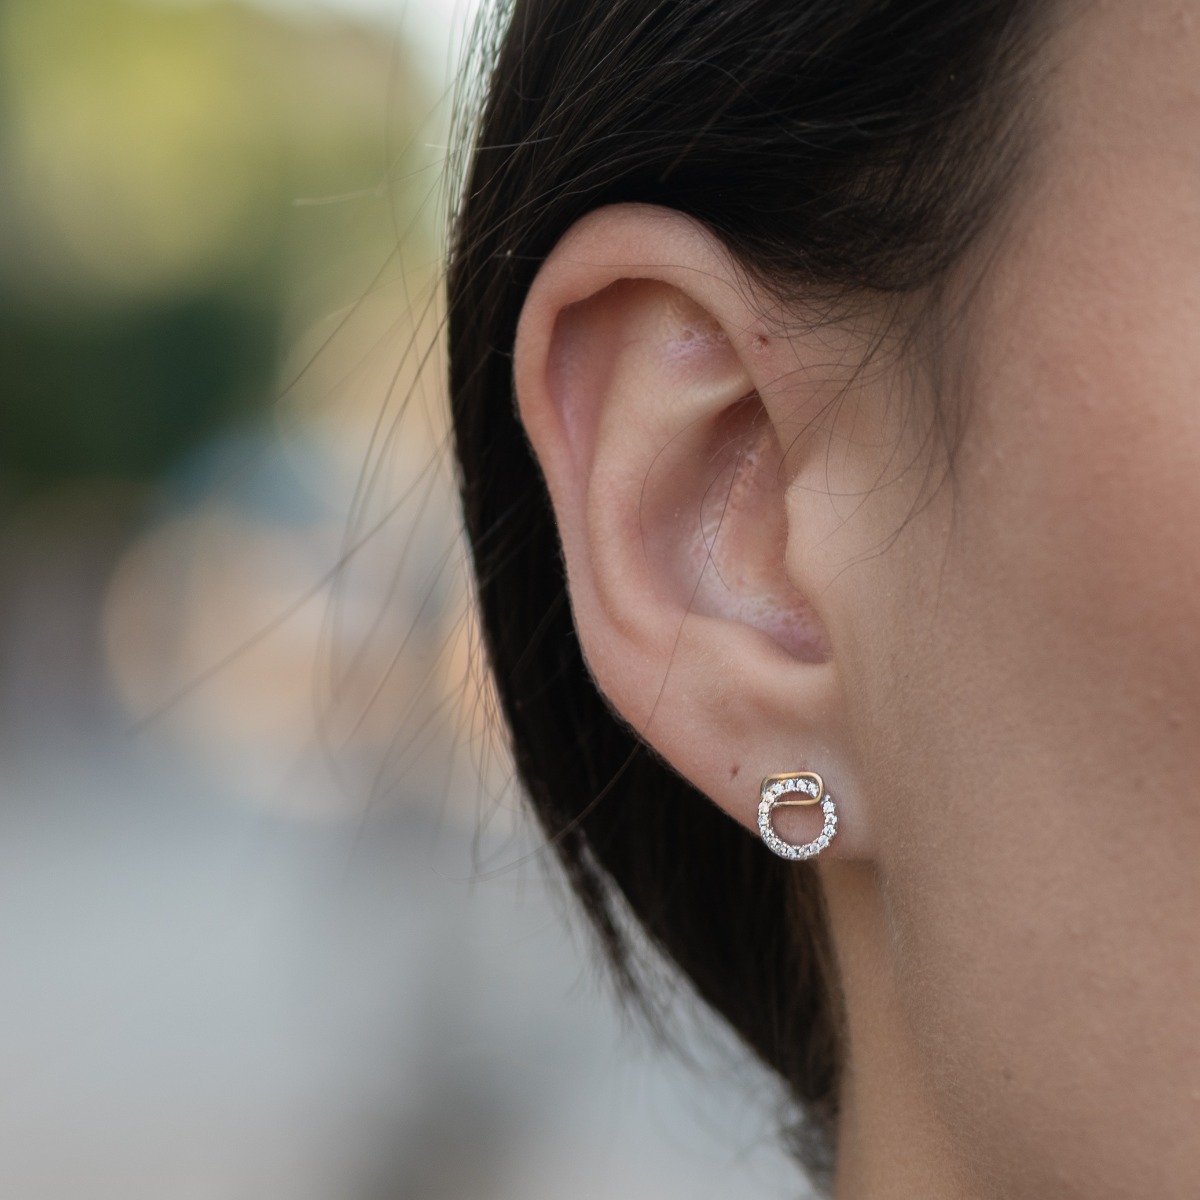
{"type": "Point", "coordinates": [217, 987]}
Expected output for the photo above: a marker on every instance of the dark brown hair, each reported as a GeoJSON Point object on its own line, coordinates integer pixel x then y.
{"type": "Point", "coordinates": [839, 147]}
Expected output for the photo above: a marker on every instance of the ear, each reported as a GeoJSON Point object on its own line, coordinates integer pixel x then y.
{"type": "Point", "coordinates": [685, 438]}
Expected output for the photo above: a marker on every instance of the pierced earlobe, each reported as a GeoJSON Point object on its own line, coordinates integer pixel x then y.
{"type": "Point", "coordinates": [809, 785]}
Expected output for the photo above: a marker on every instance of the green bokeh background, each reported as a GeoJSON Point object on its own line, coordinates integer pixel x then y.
{"type": "Point", "coordinates": [183, 188]}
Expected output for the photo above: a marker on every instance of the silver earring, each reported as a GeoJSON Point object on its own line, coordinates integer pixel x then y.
{"type": "Point", "coordinates": [811, 787]}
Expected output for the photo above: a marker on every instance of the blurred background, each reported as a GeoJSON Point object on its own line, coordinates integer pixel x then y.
{"type": "Point", "coordinates": [271, 922]}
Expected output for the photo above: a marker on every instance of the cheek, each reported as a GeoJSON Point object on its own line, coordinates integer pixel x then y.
{"type": "Point", "coordinates": [1031, 710]}
{"type": "Point", "coordinates": [1042, 878]}
{"type": "Point", "coordinates": [1079, 543]}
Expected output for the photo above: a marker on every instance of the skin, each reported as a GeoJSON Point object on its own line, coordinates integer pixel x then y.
{"type": "Point", "coordinates": [999, 677]}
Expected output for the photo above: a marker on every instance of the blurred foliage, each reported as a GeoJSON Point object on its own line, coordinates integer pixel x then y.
{"type": "Point", "coordinates": [181, 187]}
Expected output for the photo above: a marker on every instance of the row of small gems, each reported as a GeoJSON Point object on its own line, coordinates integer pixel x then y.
{"type": "Point", "coordinates": [766, 804]}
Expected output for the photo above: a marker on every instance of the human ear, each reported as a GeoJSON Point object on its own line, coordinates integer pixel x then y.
{"type": "Point", "coordinates": [686, 448]}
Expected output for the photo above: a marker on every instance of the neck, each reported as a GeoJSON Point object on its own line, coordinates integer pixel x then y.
{"type": "Point", "coordinates": [892, 1145]}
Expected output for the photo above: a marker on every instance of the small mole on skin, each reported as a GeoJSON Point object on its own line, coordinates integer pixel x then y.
{"type": "Point", "coordinates": [733, 771]}
{"type": "Point", "coordinates": [760, 342]}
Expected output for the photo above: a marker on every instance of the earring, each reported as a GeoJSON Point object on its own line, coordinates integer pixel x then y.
{"type": "Point", "coordinates": [803, 783]}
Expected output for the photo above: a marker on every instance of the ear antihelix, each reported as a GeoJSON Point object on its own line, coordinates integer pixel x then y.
{"type": "Point", "coordinates": [738, 536]}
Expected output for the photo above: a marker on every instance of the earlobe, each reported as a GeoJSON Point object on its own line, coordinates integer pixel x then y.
{"type": "Point", "coordinates": [641, 370]}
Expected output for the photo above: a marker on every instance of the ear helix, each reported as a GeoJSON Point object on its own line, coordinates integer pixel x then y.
{"type": "Point", "coordinates": [811, 787]}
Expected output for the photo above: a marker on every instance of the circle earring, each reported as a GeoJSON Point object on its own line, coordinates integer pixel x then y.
{"type": "Point", "coordinates": [809, 787]}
